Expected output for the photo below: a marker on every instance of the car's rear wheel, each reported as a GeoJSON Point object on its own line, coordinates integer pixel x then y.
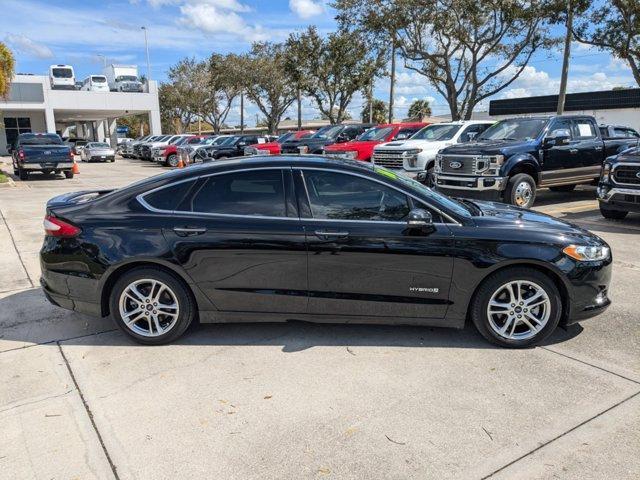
{"type": "Point", "coordinates": [172, 160]}
{"type": "Point", "coordinates": [152, 306]}
{"type": "Point", "coordinates": [517, 307]}
{"type": "Point", "coordinates": [521, 190]}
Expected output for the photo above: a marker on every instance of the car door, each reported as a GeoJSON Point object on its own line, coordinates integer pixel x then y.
{"type": "Point", "coordinates": [590, 147]}
{"type": "Point", "coordinates": [559, 161]}
{"type": "Point", "coordinates": [363, 261]}
{"type": "Point", "coordinates": [238, 236]}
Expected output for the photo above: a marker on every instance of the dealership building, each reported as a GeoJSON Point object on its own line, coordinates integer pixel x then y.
{"type": "Point", "coordinates": [33, 106]}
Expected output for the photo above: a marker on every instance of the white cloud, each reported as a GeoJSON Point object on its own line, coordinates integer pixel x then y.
{"type": "Point", "coordinates": [25, 46]}
{"type": "Point", "coordinates": [306, 8]}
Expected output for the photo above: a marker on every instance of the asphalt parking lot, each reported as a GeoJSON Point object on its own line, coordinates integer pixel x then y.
{"type": "Point", "coordinates": [296, 400]}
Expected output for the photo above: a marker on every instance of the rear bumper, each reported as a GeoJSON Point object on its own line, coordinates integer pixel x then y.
{"type": "Point", "coordinates": [56, 288]}
{"type": "Point", "coordinates": [47, 166]}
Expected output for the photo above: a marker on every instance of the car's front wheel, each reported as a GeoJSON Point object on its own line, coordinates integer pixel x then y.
{"type": "Point", "coordinates": [517, 307]}
{"type": "Point", "coordinates": [151, 305]}
{"type": "Point", "coordinates": [521, 190]}
{"type": "Point", "coordinates": [172, 160]}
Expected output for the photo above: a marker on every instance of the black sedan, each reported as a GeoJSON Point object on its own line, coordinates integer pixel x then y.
{"type": "Point", "coordinates": [278, 238]}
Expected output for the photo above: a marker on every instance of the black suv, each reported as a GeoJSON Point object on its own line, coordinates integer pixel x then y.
{"type": "Point", "coordinates": [325, 136]}
{"type": "Point", "coordinates": [619, 186]}
{"type": "Point", "coordinates": [231, 147]}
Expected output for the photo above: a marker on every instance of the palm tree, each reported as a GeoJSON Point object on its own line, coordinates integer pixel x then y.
{"type": "Point", "coordinates": [7, 69]}
{"type": "Point", "coordinates": [419, 109]}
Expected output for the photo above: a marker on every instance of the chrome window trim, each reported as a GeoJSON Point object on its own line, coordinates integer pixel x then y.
{"type": "Point", "coordinates": [445, 215]}
{"type": "Point", "coordinates": [623, 164]}
{"type": "Point", "coordinates": [145, 204]}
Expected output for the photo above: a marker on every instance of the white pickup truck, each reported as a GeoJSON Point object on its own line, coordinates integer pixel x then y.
{"type": "Point", "coordinates": [418, 153]}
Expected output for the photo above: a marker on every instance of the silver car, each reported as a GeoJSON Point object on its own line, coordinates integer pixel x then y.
{"type": "Point", "coordinates": [98, 152]}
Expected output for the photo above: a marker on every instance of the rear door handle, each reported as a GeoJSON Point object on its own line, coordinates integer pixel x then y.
{"type": "Point", "coordinates": [189, 231]}
{"type": "Point", "coordinates": [326, 234]}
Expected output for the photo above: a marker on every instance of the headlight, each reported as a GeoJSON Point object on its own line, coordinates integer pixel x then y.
{"type": "Point", "coordinates": [606, 170]}
{"type": "Point", "coordinates": [584, 253]}
{"type": "Point", "coordinates": [413, 151]}
{"type": "Point", "coordinates": [490, 165]}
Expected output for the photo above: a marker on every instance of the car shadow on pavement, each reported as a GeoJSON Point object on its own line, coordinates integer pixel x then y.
{"type": "Point", "coordinates": [547, 197]}
{"type": "Point", "coordinates": [25, 312]}
{"type": "Point", "coordinates": [629, 225]}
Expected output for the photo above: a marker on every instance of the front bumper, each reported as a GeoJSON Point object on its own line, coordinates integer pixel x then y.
{"type": "Point", "coordinates": [617, 198]}
{"type": "Point", "coordinates": [589, 290]}
{"type": "Point", "coordinates": [47, 166]}
{"type": "Point", "coordinates": [481, 188]}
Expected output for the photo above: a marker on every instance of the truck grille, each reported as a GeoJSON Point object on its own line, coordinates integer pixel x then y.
{"type": "Point", "coordinates": [389, 158]}
{"type": "Point", "coordinates": [627, 174]}
{"type": "Point", "coordinates": [457, 164]}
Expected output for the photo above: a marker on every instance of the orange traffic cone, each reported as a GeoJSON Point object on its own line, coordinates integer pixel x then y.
{"type": "Point", "coordinates": [180, 163]}
{"type": "Point", "coordinates": [76, 168]}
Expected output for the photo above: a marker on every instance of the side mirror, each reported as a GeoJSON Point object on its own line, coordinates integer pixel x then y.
{"type": "Point", "coordinates": [402, 136]}
{"type": "Point", "coordinates": [561, 136]}
{"type": "Point", "coordinates": [419, 218]}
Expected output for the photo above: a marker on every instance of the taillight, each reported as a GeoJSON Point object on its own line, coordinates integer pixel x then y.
{"type": "Point", "coordinates": [21, 154]}
{"type": "Point", "coordinates": [54, 227]}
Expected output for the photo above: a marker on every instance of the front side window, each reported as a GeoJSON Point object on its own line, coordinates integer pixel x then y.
{"type": "Point", "coordinates": [584, 129]}
{"type": "Point", "coordinates": [255, 193]}
{"type": "Point", "coordinates": [340, 196]}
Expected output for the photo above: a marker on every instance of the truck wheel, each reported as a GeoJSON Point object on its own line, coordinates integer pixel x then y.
{"type": "Point", "coordinates": [68, 174]}
{"type": "Point", "coordinates": [521, 190]}
{"type": "Point", "coordinates": [23, 174]}
{"type": "Point", "coordinates": [172, 161]}
{"type": "Point", "coordinates": [563, 188]}
{"type": "Point", "coordinates": [612, 214]}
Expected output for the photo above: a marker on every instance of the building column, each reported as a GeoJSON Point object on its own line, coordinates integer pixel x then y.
{"type": "Point", "coordinates": [112, 133]}
{"type": "Point", "coordinates": [100, 130]}
{"type": "Point", "coordinates": [79, 130]}
{"type": "Point", "coordinates": [154, 122]}
{"type": "Point", "coordinates": [50, 120]}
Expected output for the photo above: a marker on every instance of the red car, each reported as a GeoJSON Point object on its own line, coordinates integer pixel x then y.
{"type": "Point", "coordinates": [168, 156]}
{"type": "Point", "coordinates": [273, 148]}
{"type": "Point", "coordinates": [362, 147]}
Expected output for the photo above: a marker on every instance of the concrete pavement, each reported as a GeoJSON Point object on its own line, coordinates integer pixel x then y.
{"type": "Point", "coordinates": [296, 400]}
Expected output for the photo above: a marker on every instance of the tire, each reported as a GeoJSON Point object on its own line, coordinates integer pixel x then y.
{"type": "Point", "coordinates": [68, 174]}
{"type": "Point", "coordinates": [522, 336]}
{"type": "Point", "coordinates": [172, 160]}
{"type": "Point", "coordinates": [521, 191]}
{"type": "Point", "coordinates": [612, 214]}
{"type": "Point", "coordinates": [23, 174]}
{"type": "Point", "coordinates": [563, 188]}
{"type": "Point", "coordinates": [145, 331]}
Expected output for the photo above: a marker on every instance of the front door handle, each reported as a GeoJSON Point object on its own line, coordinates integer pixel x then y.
{"type": "Point", "coordinates": [326, 234]}
{"type": "Point", "coordinates": [189, 231]}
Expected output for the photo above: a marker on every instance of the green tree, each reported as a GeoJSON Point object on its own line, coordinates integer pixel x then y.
{"type": "Point", "coordinates": [176, 112]}
{"type": "Point", "coordinates": [223, 85]}
{"type": "Point", "coordinates": [419, 109]}
{"type": "Point", "coordinates": [380, 111]}
{"type": "Point", "coordinates": [266, 82]}
{"type": "Point", "coordinates": [466, 49]}
{"type": "Point", "coordinates": [332, 69]}
{"type": "Point", "coordinates": [7, 70]}
{"type": "Point", "coordinates": [136, 124]}
{"type": "Point", "coordinates": [613, 26]}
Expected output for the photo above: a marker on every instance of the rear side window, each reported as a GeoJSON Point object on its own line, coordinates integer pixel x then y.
{"type": "Point", "coordinates": [584, 129]}
{"type": "Point", "coordinates": [257, 193]}
{"type": "Point", "coordinates": [168, 198]}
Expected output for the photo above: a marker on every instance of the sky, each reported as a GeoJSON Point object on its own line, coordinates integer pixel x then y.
{"type": "Point", "coordinates": [84, 34]}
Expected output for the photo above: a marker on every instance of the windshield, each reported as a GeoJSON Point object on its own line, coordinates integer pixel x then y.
{"type": "Point", "coordinates": [182, 140]}
{"type": "Point", "coordinates": [30, 139]}
{"type": "Point", "coordinates": [175, 140]}
{"type": "Point", "coordinates": [284, 137]}
{"type": "Point", "coordinates": [330, 131]}
{"type": "Point", "coordinates": [126, 78]}
{"type": "Point", "coordinates": [405, 133]}
{"type": "Point", "coordinates": [99, 79]}
{"type": "Point", "coordinates": [443, 200]}
{"type": "Point", "coordinates": [378, 133]}
{"type": "Point", "coordinates": [62, 73]}
{"type": "Point", "coordinates": [522, 129]}
{"type": "Point", "coordinates": [98, 145]}
{"type": "Point", "coordinates": [436, 133]}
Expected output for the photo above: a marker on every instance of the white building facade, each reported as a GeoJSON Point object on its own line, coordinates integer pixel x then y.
{"type": "Point", "coordinates": [32, 106]}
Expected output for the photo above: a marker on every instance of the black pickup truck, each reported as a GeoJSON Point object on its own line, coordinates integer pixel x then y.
{"type": "Point", "coordinates": [619, 185]}
{"type": "Point", "coordinates": [325, 136]}
{"type": "Point", "coordinates": [514, 157]}
{"type": "Point", "coordinates": [41, 152]}
{"type": "Point", "coordinates": [230, 147]}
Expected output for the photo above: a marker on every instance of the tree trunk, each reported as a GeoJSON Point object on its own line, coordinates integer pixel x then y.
{"type": "Point", "coordinates": [565, 60]}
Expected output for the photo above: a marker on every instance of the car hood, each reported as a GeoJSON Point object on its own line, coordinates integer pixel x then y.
{"type": "Point", "coordinates": [308, 141]}
{"type": "Point", "coordinates": [503, 216]}
{"type": "Point", "coordinates": [407, 144]}
{"type": "Point", "coordinates": [491, 147]}
{"type": "Point", "coordinates": [353, 145]}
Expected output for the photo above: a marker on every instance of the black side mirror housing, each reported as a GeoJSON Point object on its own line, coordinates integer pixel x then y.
{"type": "Point", "coordinates": [558, 137]}
{"type": "Point", "coordinates": [420, 219]}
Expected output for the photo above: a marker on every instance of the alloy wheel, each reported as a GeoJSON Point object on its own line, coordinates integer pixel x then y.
{"type": "Point", "coordinates": [519, 310]}
{"type": "Point", "coordinates": [149, 307]}
{"type": "Point", "coordinates": [523, 194]}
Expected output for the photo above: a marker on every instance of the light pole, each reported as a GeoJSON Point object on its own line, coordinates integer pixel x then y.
{"type": "Point", "coordinates": [104, 59]}
{"type": "Point", "coordinates": [146, 47]}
